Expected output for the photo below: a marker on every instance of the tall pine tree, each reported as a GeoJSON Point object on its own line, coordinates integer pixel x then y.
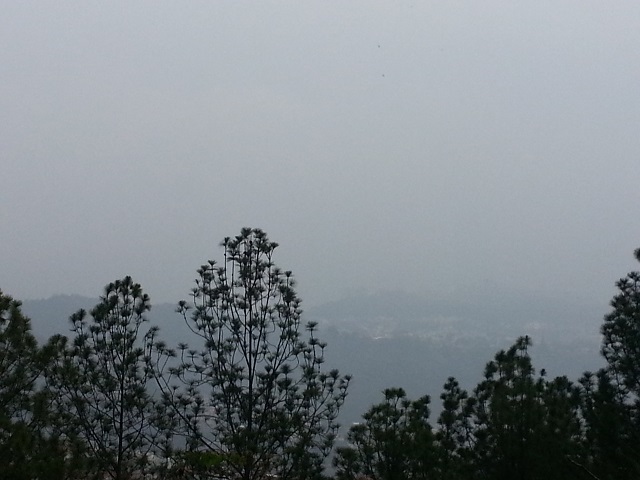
{"type": "Point", "coordinates": [253, 395]}
{"type": "Point", "coordinates": [101, 384]}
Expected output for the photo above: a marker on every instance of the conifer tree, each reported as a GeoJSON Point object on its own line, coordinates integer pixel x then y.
{"type": "Point", "coordinates": [253, 395]}
{"type": "Point", "coordinates": [608, 449]}
{"type": "Point", "coordinates": [101, 381]}
{"type": "Point", "coordinates": [611, 396]}
{"type": "Point", "coordinates": [454, 435]}
{"type": "Point", "coordinates": [523, 426]}
{"type": "Point", "coordinates": [395, 441]}
{"type": "Point", "coordinates": [28, 446]}
{"type": "Point", "coordinates": [621, 336]}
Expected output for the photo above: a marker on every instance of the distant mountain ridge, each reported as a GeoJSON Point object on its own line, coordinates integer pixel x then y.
{"type": "Point", "coordinates": [398, 339]}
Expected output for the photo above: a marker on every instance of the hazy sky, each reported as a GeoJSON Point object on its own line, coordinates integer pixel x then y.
{"type": "Point", "coordinates": [433, 147]}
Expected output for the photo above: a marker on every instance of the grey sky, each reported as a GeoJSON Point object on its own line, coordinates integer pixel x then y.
{"type": "Point", "coordinates": [431, 147]}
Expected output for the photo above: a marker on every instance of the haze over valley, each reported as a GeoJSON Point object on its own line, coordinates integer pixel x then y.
{"type": "Point", "coordinates": [404, 340]}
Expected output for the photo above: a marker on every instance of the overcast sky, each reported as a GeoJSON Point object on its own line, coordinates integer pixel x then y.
{"type": "Point", "coordinates": [432, 147]}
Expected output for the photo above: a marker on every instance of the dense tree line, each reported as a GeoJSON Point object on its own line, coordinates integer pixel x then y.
{"type": "Point", "coordinates": [515, 423]}
{"type": "Point", "coordinates": [250, 399]}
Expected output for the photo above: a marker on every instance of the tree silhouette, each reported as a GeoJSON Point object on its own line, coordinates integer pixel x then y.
{"type": "Point", "coordinates": [395, 441]}
{"type": "Point", "coordinates": [29, 446]}
{"type": "Point", "coordinates": [101, 383]}
{"type": "Point", "coordinates": [254, 394]}
{"type": "Point", "coordinates": [611, 396]}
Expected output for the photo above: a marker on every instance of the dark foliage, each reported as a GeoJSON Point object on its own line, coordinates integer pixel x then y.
{"type": "Point", "coordinates": [254, 393]}
{"type": "Point", "coordinates": [395, 441]}
{"type": "Point", "coordinates": [254, 402]}
{"type": "Point", "coordinates": [100, 385]}
{"type": "Point", "coordinates": [29, 445]}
